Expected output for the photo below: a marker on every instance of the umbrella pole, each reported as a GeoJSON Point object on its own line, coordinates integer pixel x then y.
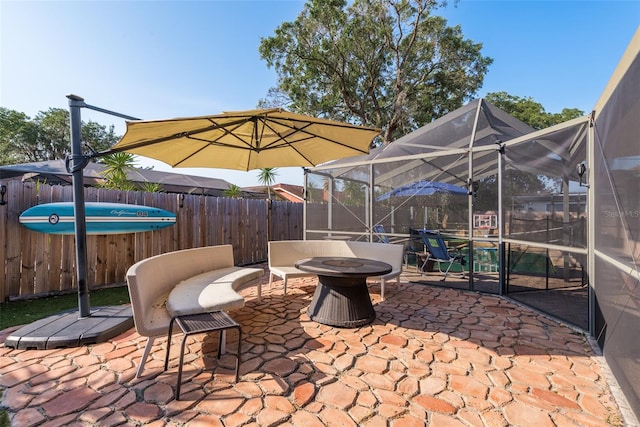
{"type": "Point", "coordinates": [76, 164]}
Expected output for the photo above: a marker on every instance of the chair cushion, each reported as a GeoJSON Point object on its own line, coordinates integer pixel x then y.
{"type": "Point", "coordinates": [209, 291]}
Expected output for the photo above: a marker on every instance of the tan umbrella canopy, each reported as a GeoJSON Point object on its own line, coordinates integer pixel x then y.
{"type": "Point", "coordinates": [246, 140]}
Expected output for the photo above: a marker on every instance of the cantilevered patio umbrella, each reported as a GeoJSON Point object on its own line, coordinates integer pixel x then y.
{"type": "Point", "coordinates": [239, 140]}
{"type": "Point", "coordinates": [246, 140]}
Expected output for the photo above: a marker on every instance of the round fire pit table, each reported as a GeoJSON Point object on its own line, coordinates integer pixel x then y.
{"type": "Point", "coordinates": [342, 298]}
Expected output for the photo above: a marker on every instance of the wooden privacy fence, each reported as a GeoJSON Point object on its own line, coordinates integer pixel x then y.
{"type": "Point", "coordinates": [37, 263]}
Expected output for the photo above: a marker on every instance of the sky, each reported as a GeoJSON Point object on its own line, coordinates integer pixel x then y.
{"type": "Point", "coordinates": [155, 59]}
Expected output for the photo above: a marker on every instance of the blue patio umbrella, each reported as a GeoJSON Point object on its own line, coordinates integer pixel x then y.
{"type": "Point", "coordinates": [422, 188]}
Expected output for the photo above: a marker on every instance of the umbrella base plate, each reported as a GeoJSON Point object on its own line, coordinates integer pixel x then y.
{"type": "Point", "coordinates": [67, 329]}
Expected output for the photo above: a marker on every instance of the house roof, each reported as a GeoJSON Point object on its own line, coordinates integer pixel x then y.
{"type": "Point", "coordinates": [292, 193]}
{"type": "Point", "coordinates": [287, 192]}
{"type": "Point", "coordinates": [55, 172]}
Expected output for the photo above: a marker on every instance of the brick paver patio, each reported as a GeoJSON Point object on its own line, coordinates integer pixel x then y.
{"type": "Point", "coordinates": [433, 356]}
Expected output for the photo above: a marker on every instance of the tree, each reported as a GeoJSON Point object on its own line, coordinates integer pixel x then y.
{"type": "Point", "coordinates": [267, 177]}
{"type": "Point", "coordinates": [515, 183]}
{"type": "Point", "coordinates": [54, 134]}
{"type": "Point", "coordinates": [46, 137]}
{"type": "Point", "coordinates": [233, 191]}
{"type": "Point", "coordinates": [354, 192]}
{"type": "Point", "coordinates": [26, 140]}
{"type": "Point", "coordinates": [312, 193]}
{"type": "Point", "coordinates": [97, 137]}
{"type": "Point", "coordinates": [383, 63]}
{"type": "Point", "coordinates": [530, 111]}
{"type": "Point", "coordinates": [15, 130]}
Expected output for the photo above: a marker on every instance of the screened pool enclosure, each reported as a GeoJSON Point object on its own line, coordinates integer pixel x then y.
{"type": "Point", "coordinates": [451, 176]}
{"type": "Point", "coordinates": [550, 217]}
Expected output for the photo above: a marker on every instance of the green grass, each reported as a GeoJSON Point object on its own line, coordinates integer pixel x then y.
{"type": "Point", "coordinates": [22, 312]}
{"type": "Point", "coordinates": [4, 418]}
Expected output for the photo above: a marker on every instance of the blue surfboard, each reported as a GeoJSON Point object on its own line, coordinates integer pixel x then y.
{"type": "Point", "coordinates": [101, 218]}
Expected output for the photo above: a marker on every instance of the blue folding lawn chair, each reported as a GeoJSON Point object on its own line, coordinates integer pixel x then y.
{"type": "Point", "coordinates": [378, 229]}
{"type": "Point", "coordinates": [438, 252]}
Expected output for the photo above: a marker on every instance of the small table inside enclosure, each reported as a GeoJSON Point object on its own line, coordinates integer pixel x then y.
{"type": "Point", "coordinates": [342, 298]}
{"type": "Point", "coordinates": [191, 324]}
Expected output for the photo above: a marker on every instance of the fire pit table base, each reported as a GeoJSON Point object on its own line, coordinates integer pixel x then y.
{"type": "Point", "coordinates": [343, 302]}
{"type": "Point", "coordinates": [342, 298]}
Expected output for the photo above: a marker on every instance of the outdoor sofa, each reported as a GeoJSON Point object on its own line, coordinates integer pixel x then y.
{"type": "Point", "coordinates": [189, 281]}
{"type": "Point", "coordinates": [283, 255]}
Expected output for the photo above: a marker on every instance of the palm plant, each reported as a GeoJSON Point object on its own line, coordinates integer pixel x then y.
{"type": "Point", "coordinates": [116, 176]}
{"type": "Point", "coordinates": [115, 173]}
{"type": "Point", "coordinates": [233, 191]}
{"type": "Point", "coordinates": [310, 194]}
{"type": "Point", "coordinates": [267, 176]}
{"type": "Point", "coordinates": [151, 187]}
{"type": "Point", "coordinates": [355, 192]}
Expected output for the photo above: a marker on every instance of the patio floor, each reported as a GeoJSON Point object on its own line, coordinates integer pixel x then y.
{"type": "Point", "coordinates": [434, 356]}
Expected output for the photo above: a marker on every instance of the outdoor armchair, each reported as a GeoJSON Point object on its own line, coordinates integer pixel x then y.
{"type": "Point", "coordinates": [380, 233]}
{"type": "Point", "coordinates": [437, 251]}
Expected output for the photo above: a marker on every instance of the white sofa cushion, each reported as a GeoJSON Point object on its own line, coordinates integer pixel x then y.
{"type": "Point", "coordinates": [210, 291]}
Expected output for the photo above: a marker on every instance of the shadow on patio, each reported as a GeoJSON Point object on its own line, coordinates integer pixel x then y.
{"type": "Point", "coordinates": [434, 356]}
